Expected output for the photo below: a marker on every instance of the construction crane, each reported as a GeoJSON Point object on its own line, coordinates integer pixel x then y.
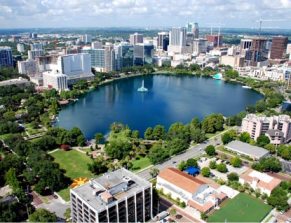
{"type": "Point", "coordinates": [260, 21]}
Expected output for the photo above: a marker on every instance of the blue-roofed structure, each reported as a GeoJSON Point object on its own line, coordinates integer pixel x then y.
{"type": "Point", "coordinates": [191, 170]}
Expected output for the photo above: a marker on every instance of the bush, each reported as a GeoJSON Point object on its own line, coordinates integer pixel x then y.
{"type": "Point", "coordinates": [221, 168]}
{"type": "Point", "coordinates": [233, 177]}
{"type": "Point", "coordinates": [205, 171]}
{"type": "Point", "coordinates": [212, 164]}
{"type": "Point", "coordinates": [236, 162]}
{"type": "Point", "coordinates": [210, 150]}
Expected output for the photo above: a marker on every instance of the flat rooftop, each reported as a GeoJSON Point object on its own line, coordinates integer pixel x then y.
{"type": "Point", "coordinates": [247, 149]}
{"type": "Point", "coordinates": [116, 185]}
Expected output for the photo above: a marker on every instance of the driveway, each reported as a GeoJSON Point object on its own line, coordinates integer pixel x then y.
{"type": "Point", "coordinates": [57, 206]}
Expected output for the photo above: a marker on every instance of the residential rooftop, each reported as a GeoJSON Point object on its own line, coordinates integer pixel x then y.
{"type": "Point", "coordinates": [109, 187]}
{"type": "Point", "coordinates": [247, 149]}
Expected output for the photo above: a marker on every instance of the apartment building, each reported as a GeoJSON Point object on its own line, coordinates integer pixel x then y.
{"type": "Point", "coordinates": [118, 196]}
{"type": "Point", "coordinates": [261, 125]}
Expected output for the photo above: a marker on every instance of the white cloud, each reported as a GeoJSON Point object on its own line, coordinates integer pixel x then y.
{"type": "Point", "coordinates": [18, 13]}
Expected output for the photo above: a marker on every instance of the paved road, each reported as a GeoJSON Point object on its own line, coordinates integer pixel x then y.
{"type": "Point", "coordinates": [192, 152]}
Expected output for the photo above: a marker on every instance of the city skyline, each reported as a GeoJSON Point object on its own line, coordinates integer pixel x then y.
{"type": "Point", "coordinates": [141, 13]}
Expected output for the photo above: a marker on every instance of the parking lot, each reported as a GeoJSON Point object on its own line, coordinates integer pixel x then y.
{"type": "Point", "coordinates": [204, 162]}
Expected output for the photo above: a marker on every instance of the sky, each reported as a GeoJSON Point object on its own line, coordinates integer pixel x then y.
{"type": "Point", "coordinates": [144, 13]}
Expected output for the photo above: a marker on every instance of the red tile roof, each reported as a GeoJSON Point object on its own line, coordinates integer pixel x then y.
{"type": "Point", "coordinates": [181, 179]}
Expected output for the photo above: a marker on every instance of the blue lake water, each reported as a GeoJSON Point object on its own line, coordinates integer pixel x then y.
{"type": "Point", "coordinates": [169, 99]}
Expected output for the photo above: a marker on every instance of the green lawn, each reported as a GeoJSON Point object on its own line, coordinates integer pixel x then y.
{"type": "Point", "coordinates": [73, 162]}
{"type": "Point", "coordinates": [141, 163]}
{"type": "Point", "coordinates": [75, 165]}
{"type": "Point", "coordinates": [242, 208]}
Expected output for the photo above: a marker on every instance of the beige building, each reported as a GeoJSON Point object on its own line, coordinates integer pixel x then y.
{"type": "Point", "coordinates": [261, 125]}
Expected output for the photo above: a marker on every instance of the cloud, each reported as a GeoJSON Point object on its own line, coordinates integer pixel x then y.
{"type": "Point", "coordinates": [44, 13]}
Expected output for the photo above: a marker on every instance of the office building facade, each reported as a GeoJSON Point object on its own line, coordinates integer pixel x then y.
{"type": "Point", "coordinates": [215, 40]}
{"type": "Point", "coordinates": [163, 41]}
{"type": "Point", "coordinates": [279, 47]}
{"type": "Point", "coordinates": [123, 55]}
{"type": "Point", "coordinates": [20, 47]}
{"type": "Point", "coordinates": [143, 54]}
{"type": "Point", "coordinates": [6, 59]}
{"type": "Point", "coordinates": [56, 80]}
{"type": "Point", "coordinates": [118, 196]}
{"type": "Point", "coordinates": [109, 57]}
{"type": "Point", "coordinates": [28, 67]}
{"type": "Point", "coordinates": [177, 42]}
{"type": "Point", "coordinates": [136, 38]}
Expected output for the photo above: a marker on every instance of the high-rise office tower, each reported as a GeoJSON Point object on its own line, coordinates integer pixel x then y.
{"type": "Point", "coordinates": [86, 38]}
{"type": "Point", "coordinates": [279, 46]}
{"type": "Point", "coordinates": [177, 41]}
{"type": "Point", "coordinates": [96, 45]}
{"type": "Point", "coordinates": [6, 59]}
{"type": "Point", "coordinates": [196, 30]}
{"type": "Point", "coordinates": [109, 57]}
{"type": "Point", "coordinates": [118, 196]}
{"type": "Point", "coordinates": [215, 40]}
{"type": "Point", "coordinates": [136, 38]}
{"type": "Point", "coordinates": [123, 55]}
{"type": "Point", "coordinates": [163, 41]}
{"type": "Point", "coordinates": [143, 54]}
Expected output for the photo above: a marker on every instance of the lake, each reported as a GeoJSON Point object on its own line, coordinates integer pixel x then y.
{"type": "Point", "coordinates": [169, 99]}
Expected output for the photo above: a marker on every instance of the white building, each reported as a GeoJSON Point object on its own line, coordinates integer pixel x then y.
{"type": "Point", "coordinates": [96, 45]}
{"type": "Point", "coordinates": [109, 57]}
{"type": "Point", "coordinates": [20, 48]}
{"type": "Point", "coordinates": [191, 190]}
{"type": "Point", "coordinates": [259, 181]}
{"type": "Point", "coordinates": [52, 79]}
{"type": "Point", "coordinates": [32, 54]}
{"type": "Point", "coordinates": [86, 38]}
{"type": "Point", "coordinates": [28, 67]}
{"type": "Point", "coordinates": [75, 66]}
{"type": "Point", "coordinates": [36, 46]}
{"type": "Point", "coordinates": [177, 40]}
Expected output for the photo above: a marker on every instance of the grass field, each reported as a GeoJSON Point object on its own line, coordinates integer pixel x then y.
{"type": "Point", "coordinates": [141, 163]}
{"type": "Point", "coordinates": [242, 208]}
{"type": "Point", "coordinates": [75, 165]}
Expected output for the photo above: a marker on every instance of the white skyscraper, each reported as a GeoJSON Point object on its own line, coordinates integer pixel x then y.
{"type": "Point", "coordinates": [86, 38]}
{"type": "Point", "coordinates": [177, 38]}
{"type": "Point", "coordinates": [109, 56]}
{"type": "Point", "coordinates": [53, 79]}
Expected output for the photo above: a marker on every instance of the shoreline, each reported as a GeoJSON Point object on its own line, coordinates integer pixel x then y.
{"type": "Point", "coordinates": [161, 72]}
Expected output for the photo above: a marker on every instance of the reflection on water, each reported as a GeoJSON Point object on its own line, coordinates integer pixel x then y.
{"type": "Point", "coordinates": [169, 99]}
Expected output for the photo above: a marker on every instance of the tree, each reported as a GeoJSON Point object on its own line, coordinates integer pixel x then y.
{"type": "Point", "coordinates": [159, 132]}
{"type": "Point", "coordinates": [278, 199]}
{"type": "Point", "coordinates": [232, 176]}
{"type": "Point", "coordinates": [158, 153]}
{"type": "Point", "coordinates": [245, 137]}
{"type": "Point", "coordinates": [213, 123]}
{"type": "Point", "coordinates": [98, 166]}
{"type": "Point", "coordinates": [42, 215]}
{"type": "Point", "coordinates": [221, 168]}
{"type": "Point", "coordinates": [98, 138]}
{"type": "Point", "coordinates": [118, 149]}
{"type": "Point", "coordinates": [210, 150]}
{"type": "Point", "coordinates": [154, 172]}
{"type": "Point", "coordinates": [205, 171]}
{"type": "Point", "coordinates": [261, 106]}
{"type": "Point", "coordinates": [236, 161]}
{"type": "Point", "coordinates": [192, 162]}
{"type": "Point", "coordinates": [135, 134]}
{"type": "Point", "coordinates": [226, 138]}
{"type": "Point", "coordinates": [173, 212]}
{"type": "Point", "coordinates": [178, 130]}
{"type": "Point", "coordinates": [11, 179]}
{"type": "Point", "coordinates": [263, 140]}
{"type": "Point", "coordinates": [268, 164]}
{"type": "Point", "coordinates": [197, 135]}
{"type": "Point", "coordinates": [176, 145]}
{"type": "Point", "coordinates": [182, 166]}
{"type": "Point", "coordinates": [212, 164]}
{"type": "Point", "coordinates": [148, 134]}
